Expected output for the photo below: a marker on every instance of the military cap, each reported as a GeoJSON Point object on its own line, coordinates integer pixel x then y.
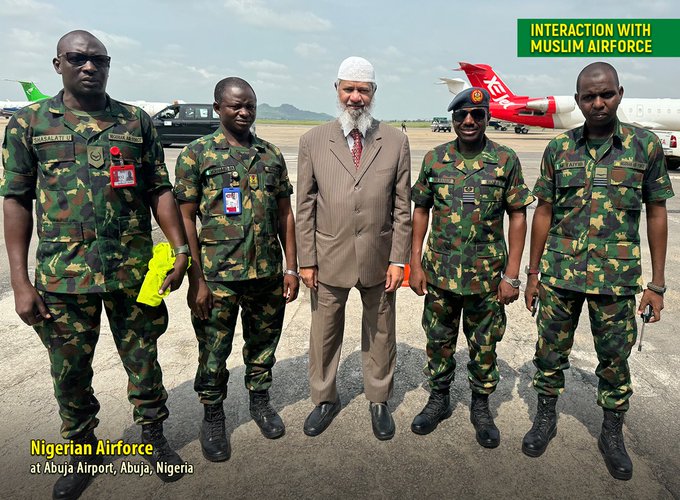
{"type": "Point", "coordinates": [473, 97]}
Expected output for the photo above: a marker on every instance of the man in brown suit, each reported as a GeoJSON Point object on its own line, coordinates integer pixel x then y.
{"type": "Point", "coordinates": [353, 230]}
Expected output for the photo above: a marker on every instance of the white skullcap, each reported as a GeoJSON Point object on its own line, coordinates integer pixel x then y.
{"type": "Point", "coordinates": [356, 69]}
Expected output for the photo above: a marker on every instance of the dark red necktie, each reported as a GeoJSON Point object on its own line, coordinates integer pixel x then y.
{"type": "Point", "coordinates": [357, 147]}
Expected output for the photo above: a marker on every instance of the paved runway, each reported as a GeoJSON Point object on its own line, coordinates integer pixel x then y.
{"type": "Point", "coordinates": [347, 461]}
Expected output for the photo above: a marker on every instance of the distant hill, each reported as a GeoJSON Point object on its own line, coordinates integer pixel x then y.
{"type": "Point", "coordinates": [289, 112]}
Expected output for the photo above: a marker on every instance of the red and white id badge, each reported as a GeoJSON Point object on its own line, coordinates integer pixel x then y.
{"type": "Point", "coordinates": [232, 200]}
{"type": "Point", "coordinates": [123, 176]}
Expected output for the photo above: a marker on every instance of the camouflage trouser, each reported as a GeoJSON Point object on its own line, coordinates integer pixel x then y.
{"type": "Point", "coordinates": [71, 336]}
{"type": "Point", "coordinates": [483, 325]}
{"type": "Point", "coordinates": [263, 306]}
{"type": "Point", "coordinates": [612, 321]}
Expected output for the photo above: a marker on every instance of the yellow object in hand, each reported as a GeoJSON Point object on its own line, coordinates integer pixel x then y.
{"type": "Point", "coordinates": [162, 262]}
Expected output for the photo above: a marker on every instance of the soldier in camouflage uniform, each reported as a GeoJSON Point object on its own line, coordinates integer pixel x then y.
{"type": "Point", "coordinates": [469, 184]}
{"type": "Point", "coordinates": [94, 241]}
{"type": "Point", "coordinates": [585, 244]}
{"type": "Point", "coordinates": [237, 184]}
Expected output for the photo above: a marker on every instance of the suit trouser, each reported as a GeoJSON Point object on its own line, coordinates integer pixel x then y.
{"type": "Point", "coordinates": [71, 337]}
{"type": "Point", "coordinates": [612, 321]}
{"type": "Point", "coordinates": [378, 341]}
{"type": "Point", "coordinates": [483, 325]}
{"type": "Point", "coordinates": [263, 307]}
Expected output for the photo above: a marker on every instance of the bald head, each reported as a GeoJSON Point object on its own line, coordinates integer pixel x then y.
{"type": "Point", "coordinates": [66, 42]}
{"type": "Point", "coordinates": [596, 70]}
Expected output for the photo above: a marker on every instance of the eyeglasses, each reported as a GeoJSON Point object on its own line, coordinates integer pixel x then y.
{"type": "Point", "coordinates": [79, 59]}
{"type": "Point", "coordinates": [478, 114]}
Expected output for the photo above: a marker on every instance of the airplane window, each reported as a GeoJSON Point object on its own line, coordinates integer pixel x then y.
{"type": "Point", "coordinates": [215, 116]}
{"type": "Point", "coordinates": [202, 112]}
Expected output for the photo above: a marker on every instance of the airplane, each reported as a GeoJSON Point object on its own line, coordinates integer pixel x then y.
{"type": "Point", "coordinates": [33, 94]}
{"type": "Point", "coordinates": [559, 111]}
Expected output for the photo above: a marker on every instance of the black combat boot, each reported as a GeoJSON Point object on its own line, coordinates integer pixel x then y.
{"type": "Point", "coordinates": [544, 429]}
{"type": "Point", "coordinates": [438, 408]}
{"type": "Point", "coordinates": [265, 415]}
{"type": "Point", "coordinates": [612, 447]}
{"type": "Point", "coordinates": [163, 457]}
{"type": "Point", "coordinates": [487, 433]}
{"type": "Point", "coordinates": [71, 486]}
{"type": "Point", "coordinates": [214, 442]}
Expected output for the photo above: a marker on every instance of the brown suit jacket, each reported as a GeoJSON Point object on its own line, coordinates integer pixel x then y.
{"type": "Point", "coordinates": [352, 224]}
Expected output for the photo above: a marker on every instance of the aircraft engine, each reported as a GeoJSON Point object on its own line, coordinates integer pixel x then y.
{"type": "Point", "coordinates": [558, 104]}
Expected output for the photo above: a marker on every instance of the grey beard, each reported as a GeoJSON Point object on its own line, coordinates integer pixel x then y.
{"type": "Point", "coordinates": [349, 120]}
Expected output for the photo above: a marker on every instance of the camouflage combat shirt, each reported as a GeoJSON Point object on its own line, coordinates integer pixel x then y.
{"type": "Point", "coordinates": [593, 245]}
{"type": "Point", "coordinates": [235, 247]}
{"type": "Point", "coordinates": [466, 250]}
{"type": "Point", "coordinates": [93, 238]}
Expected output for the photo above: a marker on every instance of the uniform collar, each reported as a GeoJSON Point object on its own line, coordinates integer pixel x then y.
{"type": "Point", "coordinates": [617, 137]}
{"type": "Point", "coordinates": [221, 142]}
{"type": "Point", "coordinates": [115, 108]}
{"type": "Point", "coordinates": [489, 152]}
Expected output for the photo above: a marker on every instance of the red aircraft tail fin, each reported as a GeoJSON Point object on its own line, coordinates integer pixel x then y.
{"type": "Point", "coordinates": [483, 75]}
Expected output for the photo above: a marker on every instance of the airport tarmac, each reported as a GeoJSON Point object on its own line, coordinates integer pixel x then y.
{"type": "Point", "coordinates": [347, 461]}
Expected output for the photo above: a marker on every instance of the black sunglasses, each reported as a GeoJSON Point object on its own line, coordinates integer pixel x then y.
{"type": "Point", "coordinates": [79, 59]}
{"type": "Point", "coordinates": [478, 114]}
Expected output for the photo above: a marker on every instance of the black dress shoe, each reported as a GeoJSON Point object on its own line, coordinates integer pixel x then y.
{"type": "Point", "coordinates": [321, 417]}
{"type": "Point", "coordinates": [382, 422]}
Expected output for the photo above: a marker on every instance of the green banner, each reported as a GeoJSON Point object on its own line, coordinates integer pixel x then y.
{"type": "Point", "coordinates": [598, 38]}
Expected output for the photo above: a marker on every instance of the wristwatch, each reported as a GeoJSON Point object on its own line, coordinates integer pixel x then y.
{"type": "Point", "coordinates": [530, 271]}
{"type": "Point", "coordinates": [182, 249]}
{"type": "Point", "coordinates": [514, 283]}
{"type": "Point", "coordinates": [656, 288]}
{"type": "Point", "coordinates": [292, 272]}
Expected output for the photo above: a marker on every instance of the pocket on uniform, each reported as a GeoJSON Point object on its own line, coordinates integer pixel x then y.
{"type": "Point", "coordinates": [221, 248]}
{"type": "Point", "coordinates": [570, 186]}
{"type": "Point", "coordinates": [131, 153]}
{"type": "Point", "coordinates": [490, 259]}
{"type": "Point", "coordinates": [561, 252]}
{"type": "Point", "coordinates": [56, 164]}
{"type": "Point", "coordinates": [61, 251]}
{"type": "Point", "coordinates": [490, 201]}
{"type": "Point", "coordinates": [626, 188]}
{"type": "Point", "coordinates": [623, 266]}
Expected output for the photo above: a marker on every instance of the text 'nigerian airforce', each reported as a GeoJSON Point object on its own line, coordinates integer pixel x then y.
{"type": "Point", "coordinates": [560, 111]}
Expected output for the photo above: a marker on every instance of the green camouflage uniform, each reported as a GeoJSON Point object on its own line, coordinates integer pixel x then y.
{"type": "Point", "coordinates": [593, 251]}
{"type": "Point", "coordinates": [94, 245]}
{"type": "Point", "coordinates": [240, 254]}
{"type": "Point", "coordinates": [465, 256]}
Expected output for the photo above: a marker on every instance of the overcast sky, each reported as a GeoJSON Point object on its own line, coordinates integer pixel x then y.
{"type": "Point", "coordinates": [289, 50]}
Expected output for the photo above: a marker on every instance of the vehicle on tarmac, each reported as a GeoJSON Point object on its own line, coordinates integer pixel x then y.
{"type": "Point", "coordinates": [498, 125]}
{"type": "Point", "coordinates": [441, 124]}
{"type": "Point", "coordinates": [670, 141]}
{"type": "Point", "coordinates": [182, 123]}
